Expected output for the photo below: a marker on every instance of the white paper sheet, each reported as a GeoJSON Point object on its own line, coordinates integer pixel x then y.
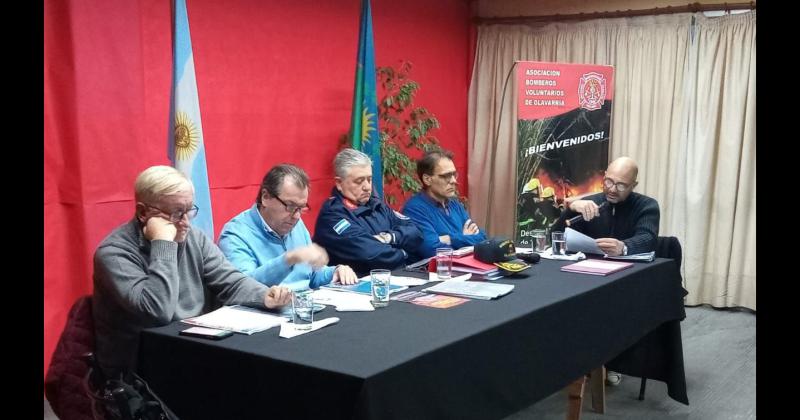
{"type": "Point", "coordinates": [343, 301]}
{"type": "Point", "coordinates": [237, 318]}
{"type": "Point", "coordinates": [463, 277]}
{"type": "Point", "coordinates": [578, 242]}
{"type": "Point", "coordinates": [548, 254]}
{"type": "Point", "coordinates": [288, 330]}
{"type": "Point", "coordinates": [408, 281]}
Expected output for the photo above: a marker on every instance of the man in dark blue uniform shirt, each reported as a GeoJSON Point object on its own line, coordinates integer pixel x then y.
{"type": "Point", "coordinates": [357, 228]}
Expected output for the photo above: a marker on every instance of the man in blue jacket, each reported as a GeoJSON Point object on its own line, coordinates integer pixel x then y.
{"type": "Point", "coordinates": [357, 228]}
{"type": "Point", "coordinates": [269, 241]}
{"type": "Point", "coordinates": [443, 220]}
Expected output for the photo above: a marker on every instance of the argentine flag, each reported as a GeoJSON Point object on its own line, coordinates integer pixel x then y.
{"type": "Point", "coordinates": [186, 149]}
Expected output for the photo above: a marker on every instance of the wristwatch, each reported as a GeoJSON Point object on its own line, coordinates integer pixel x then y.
{"type": "Point", "coordinates": [624, 249]}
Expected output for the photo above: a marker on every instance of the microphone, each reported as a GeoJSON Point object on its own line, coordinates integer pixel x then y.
{"type": "Point", "coordinates": [579, 217]}
{"type": "Point", "coordinates": [531, 258]}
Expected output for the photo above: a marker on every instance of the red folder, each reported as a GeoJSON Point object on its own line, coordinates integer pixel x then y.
{"type": "Point", "coordinates": [469, 261]}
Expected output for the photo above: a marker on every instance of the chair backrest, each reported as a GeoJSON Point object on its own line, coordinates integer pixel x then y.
{"type": "Point", "coordinates": [63, 385]}
{"type": "Point", "coordinates": [669, 247]}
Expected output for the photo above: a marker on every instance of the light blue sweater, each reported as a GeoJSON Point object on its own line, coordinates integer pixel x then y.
{"type": "Point", "coordinates": [256, 250]}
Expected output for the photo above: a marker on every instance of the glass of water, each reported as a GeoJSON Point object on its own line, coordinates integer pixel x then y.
{"type": "Point", "coordinates": [380, 287]}
{"type": "Point", "coordinates": [444, 263]}
{"type": "Point", "coordinates": [559, 243]}
{"type": "Point", "coordinates": [539, 240]}
{"type": "Point", "coordinates": [302, 310]}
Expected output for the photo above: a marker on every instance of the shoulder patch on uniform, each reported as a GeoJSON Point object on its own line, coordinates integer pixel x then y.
{"type": "Point", "coordinates": [341, 226]}
{"type": "Point", "coordinates": [400, 215]}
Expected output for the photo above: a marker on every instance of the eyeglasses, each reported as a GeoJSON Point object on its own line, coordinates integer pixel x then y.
{"type": "Point", "coordinates": [292, 209]}
{"type": "Point", "coordinates": [177, 216]}
{"type": "Point", "coordinates": [620, 186]}
{"type": "Point", "coordinates": [448, 176]}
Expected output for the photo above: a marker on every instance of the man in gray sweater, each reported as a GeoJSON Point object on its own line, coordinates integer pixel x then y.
{"type": "Point", "coordinates": [155, 270]}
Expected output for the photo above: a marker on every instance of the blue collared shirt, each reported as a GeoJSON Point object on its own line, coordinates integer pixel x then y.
{"type": "Point", "coordinates": [255, 249]}
{"type": "Point", "coordinates": [435, 220]}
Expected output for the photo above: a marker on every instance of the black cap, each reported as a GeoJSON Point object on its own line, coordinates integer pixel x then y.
{"type": "Point", "coordinates": [492, 251]}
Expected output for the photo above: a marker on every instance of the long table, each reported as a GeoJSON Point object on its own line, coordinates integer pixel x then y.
{"type": "Point", "coordinates": [478, 360]}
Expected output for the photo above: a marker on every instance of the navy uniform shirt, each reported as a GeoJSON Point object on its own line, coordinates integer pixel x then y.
{"type": "Point", "coordinates": [346, 230]}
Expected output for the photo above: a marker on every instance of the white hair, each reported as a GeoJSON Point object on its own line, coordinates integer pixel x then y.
{"type": "Point", "coordinates": [157, 181]}
{"type": "Point", "coordinates": [347, 159]}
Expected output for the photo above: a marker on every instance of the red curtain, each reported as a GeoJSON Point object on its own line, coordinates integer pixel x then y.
{"type": "Point", "coordinates": [275, 82]}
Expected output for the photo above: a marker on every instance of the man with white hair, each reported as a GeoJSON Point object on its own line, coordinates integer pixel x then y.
{"type": "Point", "coordinates": [155, 269]}
{"type": "Point", "coordinates": [357, 228]}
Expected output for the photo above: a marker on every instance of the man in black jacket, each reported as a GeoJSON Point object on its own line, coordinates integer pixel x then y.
{"type": "Point", "coordinates": [629, 224]}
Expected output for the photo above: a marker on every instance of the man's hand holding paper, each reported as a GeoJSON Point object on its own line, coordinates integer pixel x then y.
{"type": "Point", "coordinates": [578, 242]}
{"type": "Point", "coordinates": [610, 246]}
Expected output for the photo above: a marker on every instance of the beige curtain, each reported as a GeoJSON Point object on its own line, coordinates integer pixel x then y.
{"type": "Point", "coordinates": [684, 109]}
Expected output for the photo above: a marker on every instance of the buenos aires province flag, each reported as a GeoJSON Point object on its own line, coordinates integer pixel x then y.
{"type": "Point", "coordinates": [364, 134]}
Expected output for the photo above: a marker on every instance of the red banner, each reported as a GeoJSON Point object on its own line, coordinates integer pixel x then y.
{"type": "Point", "coordinates": [563, 129]}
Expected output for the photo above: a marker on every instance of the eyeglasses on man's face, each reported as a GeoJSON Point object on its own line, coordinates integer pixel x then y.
{"type": "Point", "coordinates": [448, 176]}
{"type": "Point", "coordinates": [291, 208]}
{"type": "Point", "coordinates": [620, 186]}
{"type": "Point", "coordinates": [177, 216]}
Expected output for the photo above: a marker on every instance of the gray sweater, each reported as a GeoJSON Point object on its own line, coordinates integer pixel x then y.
{"type": "Point", "coordinates": [140, 284]}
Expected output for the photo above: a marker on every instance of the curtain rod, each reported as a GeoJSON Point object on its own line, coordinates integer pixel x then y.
{"type": "Point", "coordinates": [689, 8]}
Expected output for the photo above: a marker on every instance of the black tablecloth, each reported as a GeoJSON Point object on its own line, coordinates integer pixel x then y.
{"type": "Point", "coordinates": [478, 360]}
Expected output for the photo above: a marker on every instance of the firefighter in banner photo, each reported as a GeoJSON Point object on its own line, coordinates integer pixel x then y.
{"type": "Point", "coordinates": [528, 217]}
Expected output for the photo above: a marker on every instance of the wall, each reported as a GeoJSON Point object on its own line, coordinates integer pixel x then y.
{"type": "Point", "coordinates": [275, 82]}
{"type": "Point", "coordinates": [508, 8]}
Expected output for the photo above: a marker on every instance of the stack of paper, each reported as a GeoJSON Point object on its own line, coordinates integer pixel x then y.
{"type": "Point", "coordinates": [645, 256]}
{"type": "Point", "coordinates": [471, 289]}
{"type": "Point", "coordinates": [578, 242]}
{"type": "Point", "coordinates": [460, 252]}
{"type": "Point", "coordinates": [596, 267]}
{"type": "Point", "coordinates": [237, 318]}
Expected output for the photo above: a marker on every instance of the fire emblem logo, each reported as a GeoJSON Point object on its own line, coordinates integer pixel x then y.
{"type": "Point", "coordinates": [592, 91]}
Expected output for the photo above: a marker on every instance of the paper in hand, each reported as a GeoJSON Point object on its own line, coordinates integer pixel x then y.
{"type": "Point", "coordinates": [578, 242]}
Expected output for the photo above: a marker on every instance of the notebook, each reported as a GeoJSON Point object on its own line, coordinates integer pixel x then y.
{"type": "Point", "coordinates": [596, 267]}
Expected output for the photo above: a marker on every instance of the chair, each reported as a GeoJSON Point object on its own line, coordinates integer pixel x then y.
{"type": "Point", "coordinates": [666, 247]}
{"type": "Point", "coordinates": [63, 385]}
{"type": "Point", "coordinates": [575, 393]}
